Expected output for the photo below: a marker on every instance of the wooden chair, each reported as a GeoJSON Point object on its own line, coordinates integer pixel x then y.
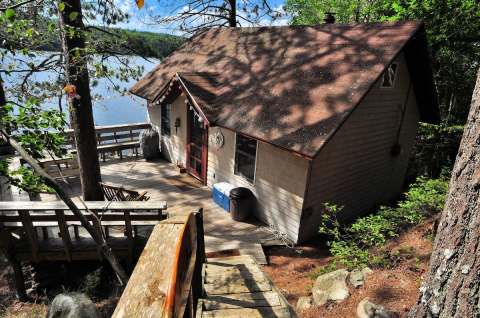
{"type": "Point", "coordinates": [113, 193]}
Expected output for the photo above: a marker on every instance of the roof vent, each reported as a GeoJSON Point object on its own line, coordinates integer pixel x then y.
{"type": "Point", "coordinates": [329, 17]}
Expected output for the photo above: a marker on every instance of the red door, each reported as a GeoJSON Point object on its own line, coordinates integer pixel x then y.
{"type": "Point", "coordinates": [197, 145]}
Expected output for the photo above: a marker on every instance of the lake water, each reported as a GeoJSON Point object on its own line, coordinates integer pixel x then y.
{"type": "Point", "coordinates": [113, 107]}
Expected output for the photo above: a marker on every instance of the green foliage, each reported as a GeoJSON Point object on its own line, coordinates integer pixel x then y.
{"type": "Point", "coordinates": [305, 12]}
{"type": "Point", "coordinates": [40, 132]}
{"type": "Point", "coordinates": [435, 150]}
{"type": "Point", "coordinates": [350, 244]}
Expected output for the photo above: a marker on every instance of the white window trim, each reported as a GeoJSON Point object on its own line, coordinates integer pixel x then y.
{"type": "Point", "coordinates": [394, 76]}
{"type": "Point", "coordinates": [235, 160]}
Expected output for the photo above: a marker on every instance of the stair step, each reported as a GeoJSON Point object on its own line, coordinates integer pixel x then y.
{"type": "Point", "coordinates": [261, 312]}
{"type": "Point", "coordinates": [236, 301]}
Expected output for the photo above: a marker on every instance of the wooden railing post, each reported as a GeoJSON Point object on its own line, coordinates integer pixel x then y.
{"type": "Point", "coordinates": [67, 242]}
{"type": "Point", "coordinates": [197, 281]}
{"type": "Point", "coordinates": [129, 235]}
{"type": "Point", "coordinates": [31, 233]}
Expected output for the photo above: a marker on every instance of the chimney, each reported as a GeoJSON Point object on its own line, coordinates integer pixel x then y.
{"type": "Point", "coordinates": [329, 17]}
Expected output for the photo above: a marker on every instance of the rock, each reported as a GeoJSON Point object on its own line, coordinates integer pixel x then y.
{"type": "Point", "coordinates": [366, 271]}
{"type": "Point", "coordinates": [367, 309]}
{"type": "Point", "coordinates": [357, 277]}
{"type": "Point", "coordinates": [330, 286]}
{"type": "Point", "coordinates": [72, 305]}
{"type": "Point", "coordinates": [150, 143]}
{"type": "Point", "coordinates": [304, 303]}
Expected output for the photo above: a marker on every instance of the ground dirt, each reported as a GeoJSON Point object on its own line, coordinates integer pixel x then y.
{"type": "Point", "coordinates": [95, 280]}
{"type": "Point", "coordinates": [396, 287]}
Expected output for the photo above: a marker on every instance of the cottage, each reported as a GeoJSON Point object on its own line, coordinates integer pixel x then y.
{"type": "Point", "coordinates": [300, 115]}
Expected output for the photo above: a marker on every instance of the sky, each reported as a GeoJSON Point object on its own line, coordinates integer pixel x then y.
{"type": "Point", "coordinates": [142, 19]}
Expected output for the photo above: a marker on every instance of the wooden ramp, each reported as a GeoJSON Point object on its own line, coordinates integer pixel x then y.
{"type": "Point", "coordinates": [237, 287]}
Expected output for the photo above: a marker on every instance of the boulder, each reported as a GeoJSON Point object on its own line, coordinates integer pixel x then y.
{"type": "Point", "coordinates": [150, 143]}
{"type": "Point", "coordinates": [357, 277]}
{"type": "Point", "coordinates": [330, 286]}
{"type": "Point", "coordinates": [367, 309]}
{"type": "Point", "coordinates": [72, 305]}
{"type": "Point", "coordinates": [366, 271]}
{"type": "Point", "coordinates": [304, 303]}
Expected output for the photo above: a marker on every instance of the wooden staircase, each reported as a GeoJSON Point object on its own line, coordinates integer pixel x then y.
{"type": "Point", "coordinates": [237, 287]}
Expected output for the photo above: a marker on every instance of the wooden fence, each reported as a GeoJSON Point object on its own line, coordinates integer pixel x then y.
{"type": "Point", "coordinates": [162, 285]}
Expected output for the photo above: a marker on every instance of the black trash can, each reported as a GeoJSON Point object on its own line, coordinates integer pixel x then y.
{"type": "Point", "coordinates": [241, 203]}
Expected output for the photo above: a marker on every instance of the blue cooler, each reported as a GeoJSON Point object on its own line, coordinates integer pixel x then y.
{"type": "Point", "coordinates": [221, 194]}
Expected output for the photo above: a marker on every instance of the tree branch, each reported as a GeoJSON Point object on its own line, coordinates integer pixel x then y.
{"type": "Point", "coordinates": [14, 6]}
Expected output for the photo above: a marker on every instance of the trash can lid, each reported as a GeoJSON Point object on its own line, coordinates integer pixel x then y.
{"type": "Point", "coordinates": [241, 193]}
{"type": "Point", "coordinates": [223, 187]}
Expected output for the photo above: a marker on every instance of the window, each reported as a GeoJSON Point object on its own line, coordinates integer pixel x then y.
{"type": "Point", "coordinates": [245, 155]}
{"type": "Point", "coordinates": [388, 79]}
{"type": "Point", "coordinates": [165, 120]}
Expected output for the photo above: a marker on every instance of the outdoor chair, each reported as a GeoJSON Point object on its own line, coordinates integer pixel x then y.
{"type": "Point", "coordinates": [113, 193]}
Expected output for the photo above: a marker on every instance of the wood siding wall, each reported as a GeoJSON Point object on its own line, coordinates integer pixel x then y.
{"type": "Point", "coordinates": [279, 185]}
{"type": "Point", "coordinates": [173, 146]}
{"type": "Point", "coordinates": [355, 169]}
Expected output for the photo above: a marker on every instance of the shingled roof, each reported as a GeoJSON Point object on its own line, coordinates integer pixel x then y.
{"type": "Point", "coordinates": [291, 86]}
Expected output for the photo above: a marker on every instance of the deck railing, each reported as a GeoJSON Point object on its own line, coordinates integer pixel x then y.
{"type": "Point", "coordinates": [36, 231]}
{"type": "Point", "coordinates": [111, 139]}
{"type": "Point", "coordinates": [31, 235]}
{"type": "Point", "coordinates": [114, 138]}
{"type": "Point", "coordinates": [167, 286]}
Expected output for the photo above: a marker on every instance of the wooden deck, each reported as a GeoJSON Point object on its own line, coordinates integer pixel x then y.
{"type": "Point", "coordinates": [183, 193]}
{"type": "Point", "coordinates": [237, 287]}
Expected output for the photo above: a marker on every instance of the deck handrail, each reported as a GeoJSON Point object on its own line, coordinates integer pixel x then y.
{"type": "Point", "coordinates": [86, 205]}
{"type": "Point", "coordinates": [115, 128]}
{"type": "Point", "coordinates": [179, 286]}
{"type": "Point", "coordinates": [162, 285]}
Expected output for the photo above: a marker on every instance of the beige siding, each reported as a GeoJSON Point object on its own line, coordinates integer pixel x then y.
{"type": "Point", "coordinates": [279, 185]}
{"type": "Point", "coordinates": [355, 168]}
{"type": "Point", "coordinates": [173, 146]}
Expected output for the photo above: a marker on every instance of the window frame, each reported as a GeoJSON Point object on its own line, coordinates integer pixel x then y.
{"type": "Point", "coordinates": [163, 111]}
{"type": "Point", "coordinates": [395, 75]}
{"type": "Point", "coordinates": [235, 170]}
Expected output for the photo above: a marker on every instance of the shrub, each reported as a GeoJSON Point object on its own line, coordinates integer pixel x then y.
{"type": "Point", "coordinates": [350, 244]}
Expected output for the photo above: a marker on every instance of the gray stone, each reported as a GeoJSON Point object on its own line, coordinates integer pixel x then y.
{"type": "Point", "coordinates": [357, 277]}
{"type": "Point", "coordinates": [304, 302]}
{"type": "Point", "coordinates": [150, 143]}
{"type": "Point", "coordinates": [366, 271]}
{"type": "Point", "coordinates": [330, 286]}
{"type": "Point", "coordinates": [72, 305]}
{"type": "Point", "coordinates": [367, 309]}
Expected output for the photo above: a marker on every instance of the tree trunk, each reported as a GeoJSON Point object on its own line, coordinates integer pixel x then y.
{"type": "Point", "coordinates": [3, 98]}
{"type": "Point", "coordinates": [232, 19]}
{"type": "Point", "coordinates": [80, 100]}
{"type": "Point", "coordinates": [452, 286]}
